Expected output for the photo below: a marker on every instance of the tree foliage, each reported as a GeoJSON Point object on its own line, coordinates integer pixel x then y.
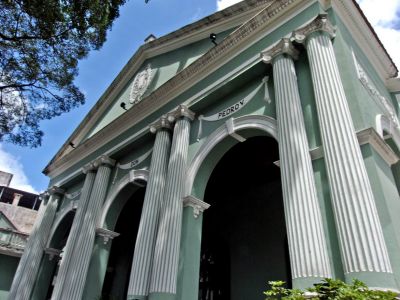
{"type": "Point", "coordinates": [41, 42]}
{"type": "Point", "coordinates": [328, 289]}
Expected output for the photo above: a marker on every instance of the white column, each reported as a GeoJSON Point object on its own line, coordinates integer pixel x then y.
{"type": "Point", "coordinates": [31, 270]}
{"type": "Point", "coordinates": [74, 283]}
{"type": "Point", "coordinates": [139, 282]}
{"type": "Point", "coordinates": [307, 245]}
{"type": "Point", "coordinates": [362, 245]}
{"type": "Point", "coordinates": [166, 258]}
{"type": "Point", "coordinates": [29, 245]}
{"type": "Point", "coordinates": [64, 269]}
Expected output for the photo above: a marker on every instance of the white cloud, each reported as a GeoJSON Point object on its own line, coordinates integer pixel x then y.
{"type": "Point", "coordinates": [221, 4]}
{"type": "Point", "coordinates": [11, 164]}
{"type": "Point", "coordinates": [384, 16]}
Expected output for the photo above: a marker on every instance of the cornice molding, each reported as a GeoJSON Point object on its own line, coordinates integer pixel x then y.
{"type": "Point", "coordinates": [284, 46]}
{"type": "Point", "coordinates": [197, 205]}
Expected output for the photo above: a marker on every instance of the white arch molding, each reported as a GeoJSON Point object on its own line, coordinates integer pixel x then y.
{"type": "Point", "coordinates": [383, 123]}
{"type": "Point", "coordinates": [263, 123]}
{"type": "Point", "coordinates": [71, 208]}
{"type": "Point", "coordinates": [133, 177]}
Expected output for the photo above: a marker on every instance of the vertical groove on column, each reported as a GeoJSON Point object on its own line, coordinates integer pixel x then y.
{"type": "Point", "coordinates": [75, 283]}
{"type": "Point", "coordinates": [27, 251]}
{"type": "Point", "coordinates": [307, 244]}
{"type": "Point", "coordinates": [139, 282]}
{"type": "Point", "coordinates": [165, 268]}
{"type": "Point", "coordinates": [31, 270]}
{"type": "Point", "coordinates": [73, 235]}
{"type": "Point", "coordinates": [360, 234]}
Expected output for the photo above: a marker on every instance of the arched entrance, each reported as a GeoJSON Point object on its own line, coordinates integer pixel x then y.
{"type": "Point", "coordinates": [50, 263]}
{"type": "Point", "coordinates": [244, 241]}
{"type": "Point", "coordinates": [119, 264]}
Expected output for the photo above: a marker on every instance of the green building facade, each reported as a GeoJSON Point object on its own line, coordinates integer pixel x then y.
{"type": "Point", "coordinates": [207, 169]}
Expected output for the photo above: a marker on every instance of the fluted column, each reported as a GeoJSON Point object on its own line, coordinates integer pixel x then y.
{"type": "Point", "coordinates": [74, 283]}
{"type": "Point", "coordinates": [166, 257]}
{"type": "Point", "coordinates": [64, 268]}
{"type": "Point", "coordinates": [29, 245]}
{"type": "Point", "coordinates": [139, 282]}
{"type": "Point", "coordinates": [38, 245]}
{"type": "Point", "coordinates": [307, 245]}
{"type": "Point", "coordinates": [361, 240]}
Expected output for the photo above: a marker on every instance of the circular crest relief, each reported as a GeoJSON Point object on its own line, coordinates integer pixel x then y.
{"type": "Point", "coordinates": [140, 84]}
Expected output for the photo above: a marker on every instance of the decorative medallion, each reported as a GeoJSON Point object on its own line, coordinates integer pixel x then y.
{"type": "Point", "coordinates": [140, 84]}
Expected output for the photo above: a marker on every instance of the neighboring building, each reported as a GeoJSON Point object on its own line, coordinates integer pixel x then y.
{"type": "Point", "coordinates": [210, 166]}
{"type": "Point", "coordinates": [18, 210]}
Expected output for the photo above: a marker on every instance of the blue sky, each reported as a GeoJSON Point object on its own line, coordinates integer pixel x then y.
{"type": "Point", "coordinates": [136, 22]}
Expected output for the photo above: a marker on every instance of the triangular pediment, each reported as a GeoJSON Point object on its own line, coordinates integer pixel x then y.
{"type": "Point", "coordinates": [166, 66]}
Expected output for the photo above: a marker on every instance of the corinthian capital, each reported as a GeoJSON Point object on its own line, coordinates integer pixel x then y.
{"type": "Point", "coordinates": [103, 160]}
{"type": "Point", "coordinates": [320, 23]}
{"type": "Point", "coordinates": [55, 190]}
{"type": "Point", "coordinates": [160, 124]}
{"type": "Point", "coordinates": [181, 111]}
{"type": "Point", "coordinates": [284, 46]}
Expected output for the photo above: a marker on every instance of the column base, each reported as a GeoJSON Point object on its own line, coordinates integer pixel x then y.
{"type": "Point", "coordinates": [305, 282]}
{"type": "Point", "coordinates": [162, 296]}
{"type": "Point", "coordinates": [374, 280]}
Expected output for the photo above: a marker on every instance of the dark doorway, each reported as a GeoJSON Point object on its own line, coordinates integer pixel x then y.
{"type": "Point", "coordinates": [121, 255]}
{"type": "Point", "coordinates": [244, 242]}
{"type": "Point", "coordinates": [49, 268]}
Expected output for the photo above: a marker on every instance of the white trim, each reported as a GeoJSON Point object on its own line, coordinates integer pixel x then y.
{"type": "Point", "coordinates": [263, 123]}
{"type": "Point", "coordinates": [370, 136]}
{"type": "Point", "coordinates": [383, 123]}
{"type": "Point", "coordinates": [230, 126]}
{"type": "Point", "coordinates": [131, 178]}
{"type": "Point", "coordinates": [59, 219]}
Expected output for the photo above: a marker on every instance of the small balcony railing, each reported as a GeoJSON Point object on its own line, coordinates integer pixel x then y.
{"type": "Point", "coordinates": [13, 240]}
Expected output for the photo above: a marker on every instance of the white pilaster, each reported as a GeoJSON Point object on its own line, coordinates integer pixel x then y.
{"type": "Point", "coordinates": [166, 257]}
{"type": "Point", "coordinates": [74, 283]}
{"type": "Point", "coordinates": [362, 245]}
{"type": "Point", "coordinates": [29, 245]}
{"type": "Point", "coordinates": [139, 282]}
{"type": "Point", "coordinates": [64, 269]}
{"type": "Point", "coordinates": [38, 245]}
{"type": "Point", "coordinates": [307, 245]}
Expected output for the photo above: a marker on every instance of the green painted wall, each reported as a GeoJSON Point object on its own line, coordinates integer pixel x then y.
{"type": "Point", "coordinates": [363, 107]}
{"type": "Point", "coordinates": [387, 202]}
{"type": "Point", "coordinates": [8, 267]}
